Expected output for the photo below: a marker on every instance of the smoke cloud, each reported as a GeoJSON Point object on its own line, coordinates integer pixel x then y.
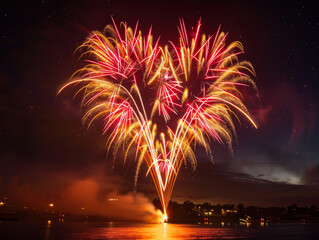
{"type": "Point", "coordinates": [92, 193]}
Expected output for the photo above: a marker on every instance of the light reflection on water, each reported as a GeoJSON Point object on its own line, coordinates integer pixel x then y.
{"type": "Point", "coordinates": [118, 231]}
{"type": "Point", "coordinates": [160, 231]}
{"type": "Point", "coordinates": [215, 231]}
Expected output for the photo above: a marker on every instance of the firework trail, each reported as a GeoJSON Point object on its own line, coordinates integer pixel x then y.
{"type": "Point", "coordinates": [161, 101]}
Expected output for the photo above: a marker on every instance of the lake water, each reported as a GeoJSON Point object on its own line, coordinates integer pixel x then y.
{"type": "Point", "coordinates": [82, 230]}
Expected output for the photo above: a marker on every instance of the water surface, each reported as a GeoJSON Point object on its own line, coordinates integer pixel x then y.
{"type": "Point", "coordinates": [82, 230]}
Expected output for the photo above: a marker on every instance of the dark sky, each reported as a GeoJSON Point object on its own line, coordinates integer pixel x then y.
{"type": "Point", "coordinates": [44, 148]}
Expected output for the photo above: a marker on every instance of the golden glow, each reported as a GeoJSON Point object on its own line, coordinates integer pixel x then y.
{"type": "Point", "coordinates": [136, 86]}
{"type": "Point", "coordinates": [1, 203]}
{"type": "Point", "coordinates": [185, 95]}
{"type": "Point", "coordinates": [165, 218]}
{"type": "Point", "coordinates": [51, 205]}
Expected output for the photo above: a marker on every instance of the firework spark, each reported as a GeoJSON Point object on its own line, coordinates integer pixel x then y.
{"type": "Point", "coordinates": [193, 89]}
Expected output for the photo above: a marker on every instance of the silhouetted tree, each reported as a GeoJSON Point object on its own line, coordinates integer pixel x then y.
{"type": "Point", "coordinates": [206, 206]}
{"type": "Point", "coordinates": [240, 210]}
{"type": "Point", "coordinates": [188, 206]}
{"type": "Point", "coordinates": [218, 209]}
{"type": "Point", "coordinates": [157, 204]}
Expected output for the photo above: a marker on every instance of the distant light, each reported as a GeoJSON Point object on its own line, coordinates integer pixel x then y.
{"type": "Point", "coordinates": [49, 221]}
{"type": "Point", "coordinates": [51, 205]}
{"type": "Point", "coordinates": [113, 199]}
{"type": "Point", "coordinates": [82, 208]}
{"type": "Point", "coordinates": [1, 203]}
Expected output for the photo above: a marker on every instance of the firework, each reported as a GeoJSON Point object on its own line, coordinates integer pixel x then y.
{"type": "Point", "coordinates": [162, 101]}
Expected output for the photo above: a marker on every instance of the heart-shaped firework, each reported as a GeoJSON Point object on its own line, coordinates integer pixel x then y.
{"type": "Point", "coordinates": [163, 100]}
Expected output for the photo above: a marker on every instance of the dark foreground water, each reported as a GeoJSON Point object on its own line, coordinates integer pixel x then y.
{"type": "Point", "coordinates": [75, 231]}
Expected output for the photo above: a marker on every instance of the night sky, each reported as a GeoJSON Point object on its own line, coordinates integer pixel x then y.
{"type": "Point", "coordinates": [45, 149]}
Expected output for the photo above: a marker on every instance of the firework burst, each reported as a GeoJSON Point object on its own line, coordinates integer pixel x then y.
{"type": "Point", "coordinates": [161, 101]}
